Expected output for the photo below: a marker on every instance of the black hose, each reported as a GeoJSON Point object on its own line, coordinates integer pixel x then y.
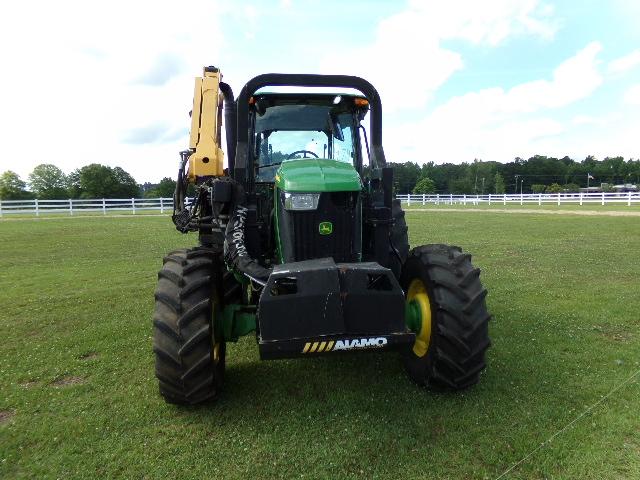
{"type": "Point", "coordinates": [235, 250]}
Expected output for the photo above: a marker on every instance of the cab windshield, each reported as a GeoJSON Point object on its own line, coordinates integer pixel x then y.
{"type": "Point", "coordinates": [291, 131]}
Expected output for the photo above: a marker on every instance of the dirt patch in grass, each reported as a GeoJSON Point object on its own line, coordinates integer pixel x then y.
{"type": "Point", "coordinates": [6, 415]}
{"type": "Point", "coordinates": [68, 380]}
{"type": "Point", "coordinates": [89, 356]}
{"type": "Point", "coordinates": [28, 384]}
{"type": "Point", "coordinates": [616, 335]}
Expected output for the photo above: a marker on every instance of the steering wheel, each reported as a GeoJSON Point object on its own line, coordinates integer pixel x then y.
{"type": "Point", "coordinates": [303, 152]}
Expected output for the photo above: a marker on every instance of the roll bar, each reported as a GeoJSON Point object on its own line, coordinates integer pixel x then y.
{"type": "Point", "coordinates": [243, 171]}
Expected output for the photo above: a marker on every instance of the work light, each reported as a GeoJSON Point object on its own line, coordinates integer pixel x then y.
{"type": "Point", "coordinates": [301, 201]}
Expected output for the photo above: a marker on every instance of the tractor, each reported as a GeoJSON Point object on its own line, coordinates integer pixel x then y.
{"type": "Point", "coordinates": [302, 244]}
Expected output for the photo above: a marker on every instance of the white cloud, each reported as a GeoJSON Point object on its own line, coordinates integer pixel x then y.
{"type": "Point", "coordinates": [632, 95]}
{"type": "Point", "coordinates": [626, 63]}
{"type": "Point", "coordinates": [407, 60]}
{"type": "Point", "coordinates": [88, 78]}
{"type": "Point", "coordinates": [498, 124]}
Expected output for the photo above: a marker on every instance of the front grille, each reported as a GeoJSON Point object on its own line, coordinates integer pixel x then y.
{"type": "Point", "coordinates": [339, 208]}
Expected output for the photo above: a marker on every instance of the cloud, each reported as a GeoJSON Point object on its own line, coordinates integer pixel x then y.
{"type": "Point", "coordinates": [148, 134]}
{"type": "Point", "coordinates": [625, 63]}
{"type": "Point", "coordinates": [407, 60]}
{"type": "Point", "coordinates": [109, 82]}
{"type": "Point", "coordinates": [166, 66]}
{"type": "Point", "coordinates": [498, 124]}
{"type": "Point", "coordinates": [632, 95]}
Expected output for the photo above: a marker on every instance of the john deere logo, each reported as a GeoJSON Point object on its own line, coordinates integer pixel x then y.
{"type": "Point", "coordinates": [325, 228]}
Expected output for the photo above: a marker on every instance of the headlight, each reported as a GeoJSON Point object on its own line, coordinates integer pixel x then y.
{"type": "Point", "coordinates": [301, 201]}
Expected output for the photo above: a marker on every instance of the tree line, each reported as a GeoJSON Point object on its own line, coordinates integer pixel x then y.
{"type": "Point", "coordinates": [48, 182]}
{"type": "Point", "coordinates": [537, 174]}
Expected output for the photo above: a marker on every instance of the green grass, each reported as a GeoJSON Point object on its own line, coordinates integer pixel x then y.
{"type": "Point", "coordinates": [78, 398]}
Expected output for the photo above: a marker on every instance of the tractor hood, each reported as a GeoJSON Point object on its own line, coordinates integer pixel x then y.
{"type": "Point", "coordinates": [317, 175]}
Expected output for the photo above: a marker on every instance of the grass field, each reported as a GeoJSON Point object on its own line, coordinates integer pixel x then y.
{"type": "Point", "coordinates": [78, 398]}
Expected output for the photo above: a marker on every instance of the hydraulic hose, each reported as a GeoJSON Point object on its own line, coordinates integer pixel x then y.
{"type": "Point", "coordinates": [235, 250]}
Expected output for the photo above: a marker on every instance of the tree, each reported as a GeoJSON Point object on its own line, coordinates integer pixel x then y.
{"type": "Point", "coordinates": [554, 188]}
{"type": "Point", "coordinates": [96, 181]}
{"type": "Point", "coordinates": [425, 185]}
{"type": "Point", "coordinates": [48, 182]}
{"type": "Point", "coordinates": [498, 181]}
{"type": "Point", "coordinates": [100, 181]}
{"type": "Point", "coordinates": [461, 185]}
{"type": "Point", "coordinates": [405, 176]}
{"type": "Point", "coordinates": [127, 186]}
{"type": "Point", "coordinates": [164, 189]}
{"type": "Point", "coordinates": [538, 188]}
{"type": "Point", "coordinates": [12, 187]}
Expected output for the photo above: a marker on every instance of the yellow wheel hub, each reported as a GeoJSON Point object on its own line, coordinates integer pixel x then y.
{"type": "Point", "coordinates": [418, 295]}
{"type": "Point", "coordinates": [216, 353]}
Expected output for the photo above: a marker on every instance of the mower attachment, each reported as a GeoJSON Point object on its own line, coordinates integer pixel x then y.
{"type": "Point", "coordinates": [318, 306]}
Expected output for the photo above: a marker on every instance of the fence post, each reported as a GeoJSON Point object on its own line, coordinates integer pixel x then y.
{"type": "Point", "coordinates": [408, 199]}
{"type": "Point", "coordinates": [504, 199]}
{"type": "Point", "coordinates": [521, 199]}
{"type": "Point", "coordinates": [558, 198]}
{"type": "Point", "coordinates": [133, 205]}
{"type": "Point", "coordinates": [489, 199]}
{"type": "Point", "coordinates": [0, 208]}
{"type": "Point", "coordinates": [437, 199]}
{"type": "Point", "coordinates": [580, 198]}
{"type": "Point", "coordinates": [104, 206]}
{"type": "Point", "coordinates": [628, 199]}
{"type": "Point", "coordinates": [70, 206]}
{"type": "Point", "coordinates": [37, 209]}
{"type": "Point", "coordinates": [539, 199]}
{"type": "Point", "coordinates": [602, 198]}
{"type": "Point", "coordinates": [464, 199]}
{"type": "Point", "coordinates": [161, 205]}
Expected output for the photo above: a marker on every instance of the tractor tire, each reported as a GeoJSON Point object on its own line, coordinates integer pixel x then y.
{"type": "Point", "coordinates": [189, 359]}
{"type": "Point", "coordinates": [399, 238]}
{"type": "Point", "coordinates": [453, 336]}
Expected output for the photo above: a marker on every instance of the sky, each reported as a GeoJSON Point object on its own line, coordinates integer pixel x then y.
{"type": "Point", "coordinates": [112, 82]}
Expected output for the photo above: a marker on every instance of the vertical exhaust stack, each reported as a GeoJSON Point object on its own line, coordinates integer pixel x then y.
{"type": "Point", "coordinates": [230, 127]}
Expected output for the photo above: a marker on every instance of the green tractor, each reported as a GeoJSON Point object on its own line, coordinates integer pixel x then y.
{"type": "Point", "coordinates": [302, 243]}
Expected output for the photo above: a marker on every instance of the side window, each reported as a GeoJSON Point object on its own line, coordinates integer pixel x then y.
{"type": "Point", "coordinates": [343, 150]}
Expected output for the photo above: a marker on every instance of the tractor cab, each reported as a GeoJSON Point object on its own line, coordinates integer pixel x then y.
{"type": "Point", "coordinates": [292, 126]}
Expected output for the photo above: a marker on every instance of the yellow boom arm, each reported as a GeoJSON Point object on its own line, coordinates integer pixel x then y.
{"type": "Point", "coordinates": [206, 120]}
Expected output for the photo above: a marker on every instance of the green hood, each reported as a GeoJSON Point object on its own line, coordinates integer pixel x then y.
{"type": "Point", "coordinates": [317, 175]}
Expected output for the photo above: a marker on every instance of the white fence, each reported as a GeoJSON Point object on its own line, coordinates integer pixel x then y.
{"type": "Point", "coordinates": [78, 206]}
{"type": "Point", "coordinates": [165, 205]}
{"type": "Point", "coordinates": [622, 198]}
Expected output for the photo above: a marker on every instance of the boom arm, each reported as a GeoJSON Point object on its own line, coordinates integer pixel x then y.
{"type": "Point", "coordinates": [206, 159]}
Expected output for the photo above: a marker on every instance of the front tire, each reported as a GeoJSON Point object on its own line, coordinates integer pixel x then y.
{"type": "Point", "coordinates": [189, 355]}
{"type": "Point", "coordinates": [448, 312]}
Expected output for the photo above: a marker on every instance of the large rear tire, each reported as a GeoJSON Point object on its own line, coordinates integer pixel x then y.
{"type": "Point", "coordinates": [445, 294]}
{"type": "Point", "coordinates": [189, 355]}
